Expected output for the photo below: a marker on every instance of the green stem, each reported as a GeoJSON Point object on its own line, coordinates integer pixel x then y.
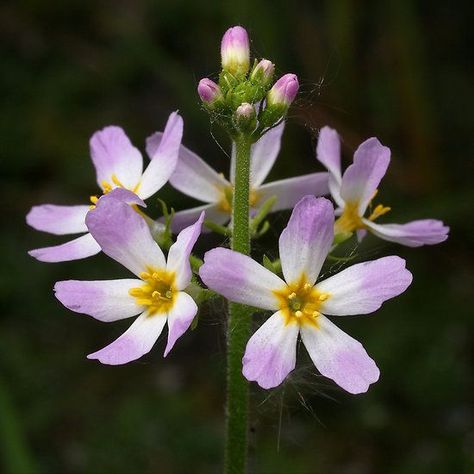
{"type": "Point", "coordinates": [238, 330]}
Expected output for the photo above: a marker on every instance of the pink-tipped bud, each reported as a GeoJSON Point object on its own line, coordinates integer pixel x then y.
{"type": "Point", "coordinates": [283, 91]}
{"type": "Point", "coordinates": [235, 51]}
{"type": "Point", "coordinates": [263, 72]}
{"type": "Point", "coordinates": [246, 117]}
{"type": "Point", "coordinates": [245, 111]}
{"type": "Point", "coordinates": [209, 91]}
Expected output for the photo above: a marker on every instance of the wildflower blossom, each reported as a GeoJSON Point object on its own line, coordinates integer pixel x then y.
{"type": "Point", "coordinates": [118, 164]}
{"type": "Point", "coordinates": [300, 304]}
{"type": "Point", "coordinates": [157, 295]}
{"type": "Point", "coordinates": [197, 179]}
{"type": "Point", "coordinates": [355, 190]}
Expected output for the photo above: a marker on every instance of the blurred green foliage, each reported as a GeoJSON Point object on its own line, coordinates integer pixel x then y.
{"type": "Point", "coordinates": [397, 69]}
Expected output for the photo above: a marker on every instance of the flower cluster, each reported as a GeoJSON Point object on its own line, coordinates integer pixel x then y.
{"type": "Point", "coordinates": [168, 290]}
{"type": "Point", "coordinates": [245, 99]}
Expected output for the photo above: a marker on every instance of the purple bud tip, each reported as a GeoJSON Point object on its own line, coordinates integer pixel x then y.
{"type": "Point", "coordinates": [284, 90]}
{"type": "Point", "coordinates": [208, 90]}
{"type": "Point", "coordinates": [235, 50]}
{"type": "Point", "coordinates": [245, 110]}
{"type": "Point", "coordinates": [266, 68]}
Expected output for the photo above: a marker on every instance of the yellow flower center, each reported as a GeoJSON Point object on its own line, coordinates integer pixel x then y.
{"type": "Point", "coordinates": [158, 293]}
{"type": "Point", "coordinates": [350, 220]}
{"type": "Point", "coordinates": [107, 187]}
{"type": "Point", "coordinates": [300, 302]}
{"type": "Point", "coordinates": [225, 204]}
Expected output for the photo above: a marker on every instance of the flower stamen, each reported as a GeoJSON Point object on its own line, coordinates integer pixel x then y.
{"type": "Point", "coordinates": [158, 292]}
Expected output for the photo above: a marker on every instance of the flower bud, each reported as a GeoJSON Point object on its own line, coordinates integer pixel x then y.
{"type": "Point", "coordinates": [209, 91]}
{"type": "Point", "coordinates": [283, 91]}
{"type": "Point", "coordinates": [235, 51]}
{"type": "Point", "coordinates": [246, 117]}
{"type": "Point", "coordinates": [263, 72]}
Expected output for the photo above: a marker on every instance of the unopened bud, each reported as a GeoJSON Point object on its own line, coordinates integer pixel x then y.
{"type": "Point", "coordinates": [283, 91]}
{"type": "Point", "coordinates": [209, 91]}
{"type": "Point", "coordinates": [235, 51]}
{"type": "Point", "coordinates": [263, 72]}
{"type": "Point", "coordinates": [246, 117]}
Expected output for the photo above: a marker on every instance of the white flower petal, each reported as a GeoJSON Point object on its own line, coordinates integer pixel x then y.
{"type": "Point", "coordinates": [270, 354]}
{"type": "Point", "coordinates": [339, 357]}
{"type": "Point", "coordinates": [362, 288]}
{"type": "Point", "coordinates": [180, 318]}
{"type": "Point", "coordinates": [135, 342]}
{"type": "Point", "coordinates": [240, 279]}
{"type": "Point", "coordinates": [106, 300]}
{"type": "Point", "coordinates": [307, 239]}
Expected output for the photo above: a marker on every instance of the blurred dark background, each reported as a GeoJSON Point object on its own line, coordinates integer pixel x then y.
{"type": "Point", "coordinates": [400, 70]}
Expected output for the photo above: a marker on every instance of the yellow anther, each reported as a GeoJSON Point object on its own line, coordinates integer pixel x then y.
{"type": "Point", "coordinates": [144, 301]}
{"type": "Point", "coordinates": [298, 314]}
{"type": "Point", "coordinates": [155, 276]}
{"type": "Point", "coordinates": [379, 210]}
{"type": "Point", "coordinates": [292, 296]}
{"type": "Point", "coordinates": [323, 297]}
{"type": "Point", "coordinates": [144, 275]}
{"type": "Point", "coordinates": [135, 292]}
{"type": "Point", "coordinates": [106, 186]}
{"type": "Point", "coordinates": [93, 199]}
{"type": "Point", "coordinates": [156, 294]}
{"type": "Point", "coordinates": [306, 286]}
{"type": "Point", "coordinates": [316, 314]}
{"type": "Point", "coordinates": [117, 182]}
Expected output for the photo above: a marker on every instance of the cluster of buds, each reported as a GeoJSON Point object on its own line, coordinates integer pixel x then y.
{"type": "Point", "coordinates": [245, 99]}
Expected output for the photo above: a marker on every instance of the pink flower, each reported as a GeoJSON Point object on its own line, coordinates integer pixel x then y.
{"type": "Point", "coordinates": [300, 303]}
{"type": "Point", "coordinates": [118, 164]}
{"type": "Point", "coordinates": [355, 190]}
{"type": "Point", "coordinates": [157, 295]}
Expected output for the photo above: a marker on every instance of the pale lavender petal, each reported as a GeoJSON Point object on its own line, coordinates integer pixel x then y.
{"type": "Point", "coordinates": [270, 354]}
{"type": "Point", "coordinates": [153, 143]}
{"type": "Point", "coordinates": [59, 220]}
{"type": "Point", "coordinates": [164, 159]}
{"type": "Point", "coordinates": [196, 178]}
{"type": "Point", "coordinates": [328, 152]}
{"type": "Point", "coordinates": [124, 235]}
{"type": "Point", "coordinates": [264, 153]}
{"type": "Point", "coordinates": [105, 300]}
{"type": "Point", "coordinates": [178, 256]}
{"type": "Point", "coordinates": [135, 342]}
{"type": "Point", "coordinates": [82, 247]}
{"type": "Point", "coordinates": [289, 191]}
{"type": "Point", "coordinates": [412, 234]}
{"type": "Point", "coordinates": [240, 279]}
{"type": "Point", "coordinates": [182, 219]}
{"type": "Point", "coordinates": [306, 240]}
{"type": "Point", "coordinates": [361, 233]}
{"type": "Point", "coordinates": [124, 195]}
{"type": "Point", "coordinates": [361, 179]}
{"type": "Point", "coordinates": [339, 357]}
{"type": "Point", "coordinates": [113, 154]}
{"type": "Point", "coordinates": [362, 288]}
{"type": "Point", "coordinates": [180, 318]}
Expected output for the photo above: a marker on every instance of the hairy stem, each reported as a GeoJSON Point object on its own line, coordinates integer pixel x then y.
{"type": "Point", "coordinates": [238, 330]}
